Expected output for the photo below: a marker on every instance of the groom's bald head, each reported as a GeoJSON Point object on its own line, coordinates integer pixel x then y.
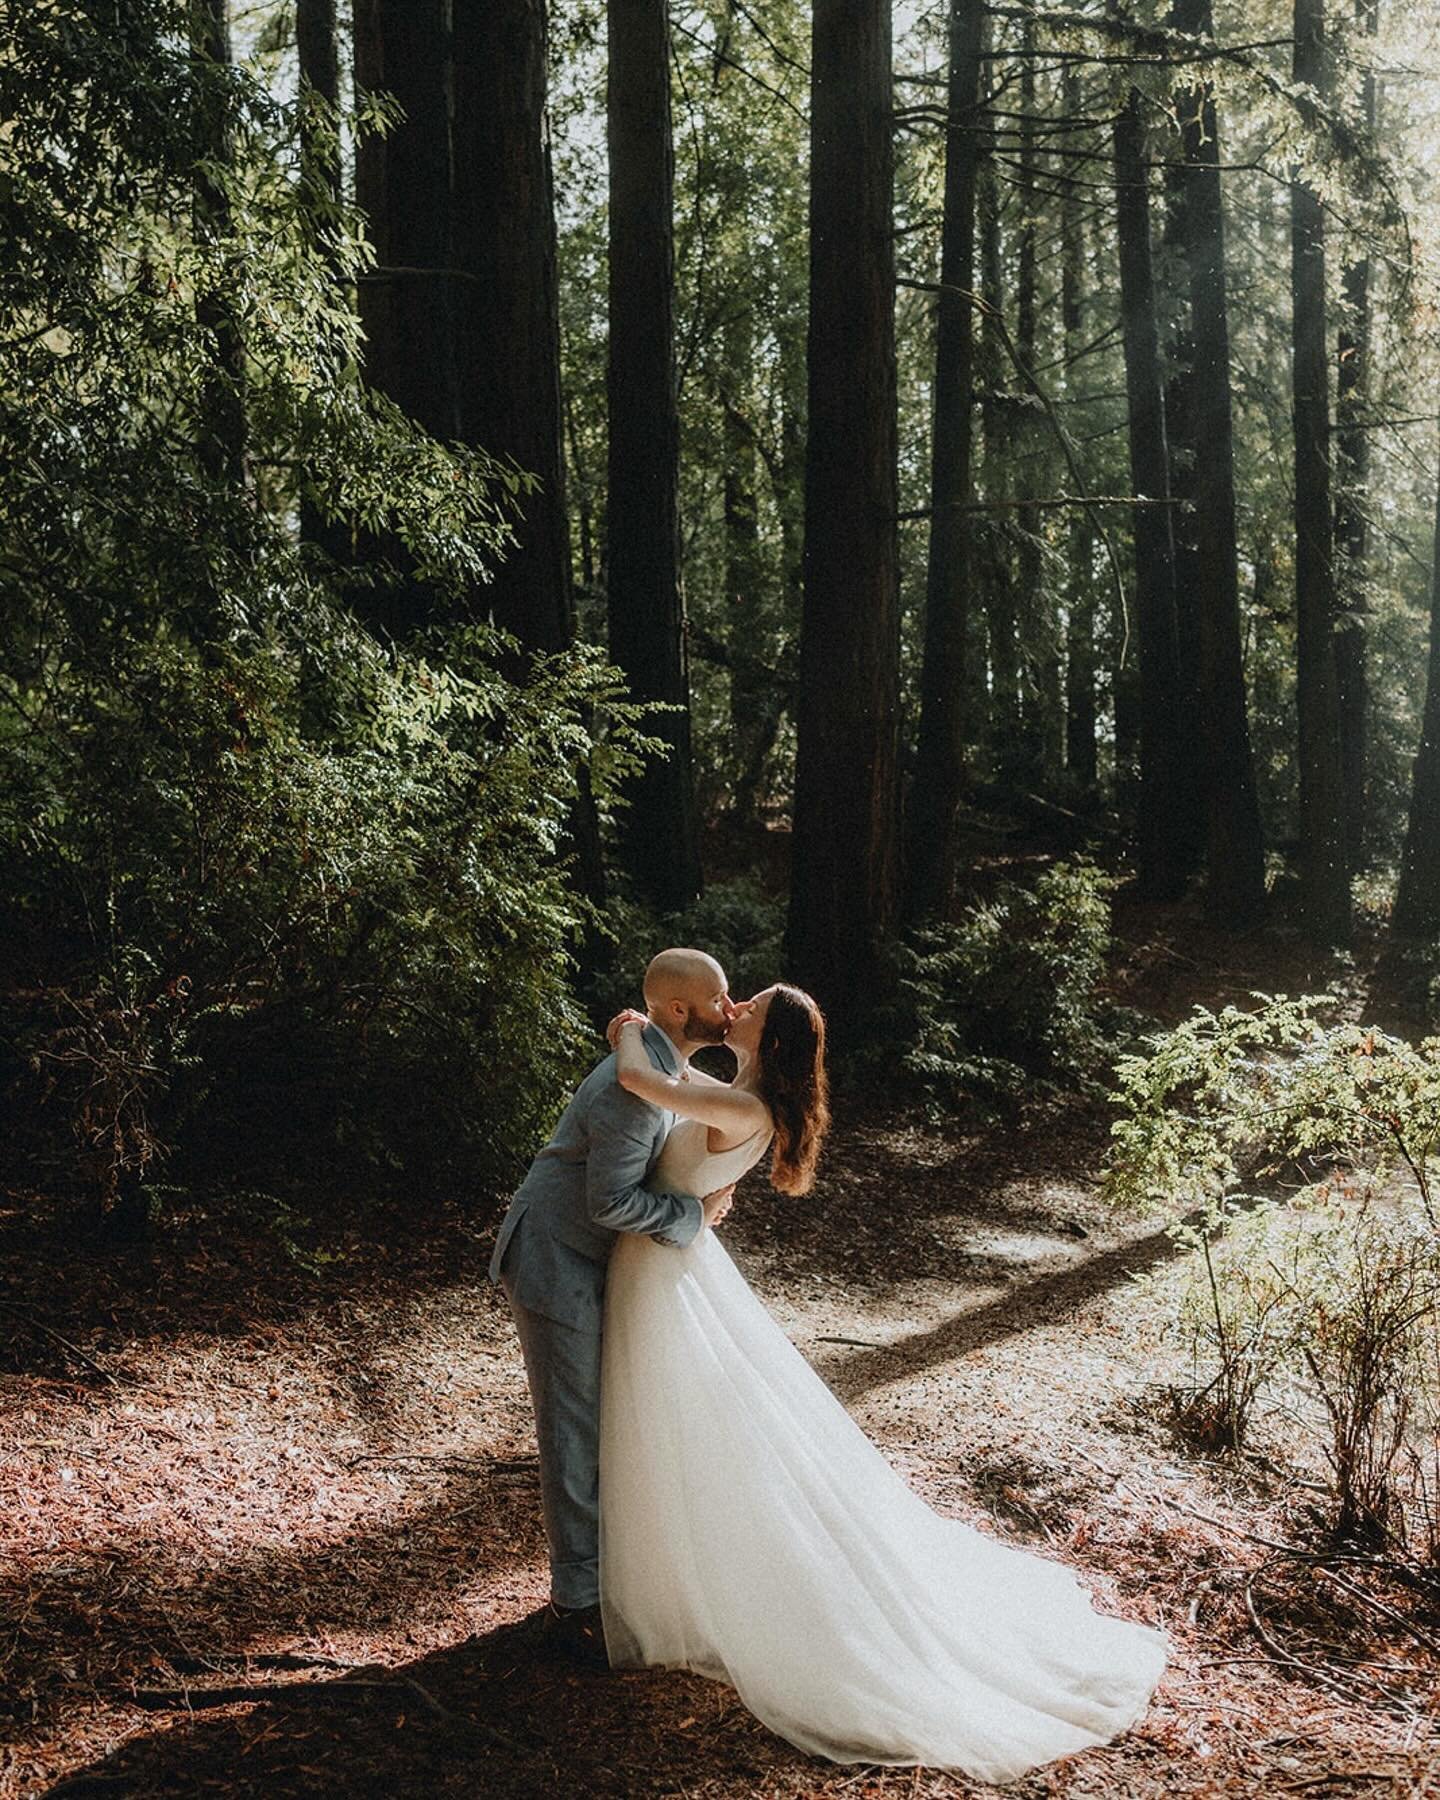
{"type": "Point", "coordinates": [687, 996]}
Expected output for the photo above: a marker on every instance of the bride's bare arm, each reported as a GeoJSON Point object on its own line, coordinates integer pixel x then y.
{"type": "Point", "coordinates": [698, 1097]}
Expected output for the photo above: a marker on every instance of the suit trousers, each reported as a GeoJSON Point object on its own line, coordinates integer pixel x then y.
{"type": "Point", "coordinates": [562, 1366]}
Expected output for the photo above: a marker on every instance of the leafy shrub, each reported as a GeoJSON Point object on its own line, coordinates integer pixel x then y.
{"type": "Point", "coordinates": [1335, 1290]}
{"type": "Point", "coordinates": [1010, 990]}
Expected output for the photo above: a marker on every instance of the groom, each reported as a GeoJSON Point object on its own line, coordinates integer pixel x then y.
{"type": "Point", "coordinates": [550, 1258]}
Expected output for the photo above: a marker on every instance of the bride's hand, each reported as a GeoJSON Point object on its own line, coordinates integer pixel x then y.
{"type": "Point", "coordinates": [628, 1016]}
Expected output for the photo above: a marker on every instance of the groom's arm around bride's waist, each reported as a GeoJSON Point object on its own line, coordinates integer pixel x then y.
{"type": "Point", "coordinates": [623, 1133]}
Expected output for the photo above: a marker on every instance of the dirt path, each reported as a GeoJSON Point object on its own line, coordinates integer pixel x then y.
{"type": "Point", "coordinates": [313, 1494]}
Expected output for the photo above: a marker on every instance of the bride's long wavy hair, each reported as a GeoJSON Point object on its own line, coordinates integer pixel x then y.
{"type": "Point", "coordinates": [793, 1083]}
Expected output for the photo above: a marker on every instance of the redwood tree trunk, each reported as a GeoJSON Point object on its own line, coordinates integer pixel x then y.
{"type": "Point", "coordinates": [647, 626]}
{"type": "Point", "coordinates": [317, 40]}
{"type": "Point", "coordinates": [754, 700]}
{"type": "Point", "coordinates": [1081, 760]}
{"type": "Point", "coordinates": [940, 748]}
{"type": "Point", "coordinates": [507, 317]}
{"type": "Point", "coordinates": [1179, 360]}
{"type": "Point", "coordinates": [403, 184]}
{"type": "Point", "coordinates": [1235, 861]}
{"type": "Point", "coordinates": [402, 180]}
{"type": "Point", "coordinates": [844, 879]}
{"type": "Point", "coordinates": [1038, 649]}
{"type": "Point", "coordinates": [1417, 900]}
{"type": "Point", "coordinates": [1164, 802]}
{"type": "Point", "coordinates": [1324, 870]}
{"type": "Point", "coordinates": [1352, 469]}
{"type": "Point", "coordinates": [507, 326]}
{"type": "Point", "coordinates": [992, 553]}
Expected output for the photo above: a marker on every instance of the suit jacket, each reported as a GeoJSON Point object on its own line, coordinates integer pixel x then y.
{"type": "Point", "coordinates": [584, 1186]}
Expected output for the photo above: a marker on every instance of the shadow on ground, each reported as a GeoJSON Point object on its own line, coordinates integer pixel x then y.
{"type": "Point", "coordinates": [487, 1717]}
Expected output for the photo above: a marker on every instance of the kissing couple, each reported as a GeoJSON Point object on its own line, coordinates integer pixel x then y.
{"type": "Point", "coordinates": [709, 1504]}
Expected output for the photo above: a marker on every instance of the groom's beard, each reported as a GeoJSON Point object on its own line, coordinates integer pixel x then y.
{"type": "Point", "coordinates": [706, 1031]}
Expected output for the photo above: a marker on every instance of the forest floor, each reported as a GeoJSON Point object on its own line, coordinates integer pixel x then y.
{"type": "Point", "coordinates": [273, 1529]}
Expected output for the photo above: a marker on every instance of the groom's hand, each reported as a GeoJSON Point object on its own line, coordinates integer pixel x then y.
{"type": "Point", "coordinates": [716, 1205]}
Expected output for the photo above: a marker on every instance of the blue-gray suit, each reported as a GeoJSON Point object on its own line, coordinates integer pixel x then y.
{"type": "Point", "coordinates": [550, 1258]}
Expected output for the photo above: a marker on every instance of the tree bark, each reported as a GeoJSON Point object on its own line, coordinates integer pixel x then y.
{"type": "Point", "coordinates": [1235, 861]}
{"type": "Point", "coordinates": [647, 625]}
{"type": "Point", "coordinates": [1352, 460]}
{"type": "Point", "coordinates": [1081, 760]}
{"type": "Point", "coordinates": [507, 321]}
{"type": "Point", "coordinates": [1039, 659]}
{"type": "Point", "coordinates": [507, 326]}
{"type": "Point", "coordinates": [992, 551]}
{"type": "Point", "coordinates": [844, 877]}
{"type": "Point", "coordinates": [1324, 870]}
{"type": "Point", "coordinates": [754, 700]}
{"type": "Point", "coordinates": [1184, 453]}
{"type": "Point", "coordinates": [1417, 899]}
{"type": "Point", "coordinates": [403, 181]}
{"type": "Point", "coordinates": [1163, 801]}
{"type": "Point", "coordinates": [940, 746]}
{"type": "Point", "coordinates": [317, 40]}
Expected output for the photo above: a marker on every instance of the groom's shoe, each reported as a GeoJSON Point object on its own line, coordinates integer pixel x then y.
{"type": "Point", "coordinates": [575, 1635]}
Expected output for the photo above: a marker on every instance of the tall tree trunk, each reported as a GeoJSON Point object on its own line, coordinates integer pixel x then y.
{"type": "Point", "coordinates": [1352, 459]}
{"type": "Point", "coordinates": [507, 321]}
{"type": "Point", "coordinates": [1163, 847]}
{"type": "Point", "coordinates": [843, 886]}
{"type": "Point", "coordinates": [403, 183]}
{"type": "Point", "coordinates": [1324, 871]}
{"type": "Point", "coordinates": [1417, 899]}
{"type": "Point", "coordinates": [1037, 638]}
{"type": "Point", "coordinates": [647, 624]}
{"type": "Point", "coordinates": [1184, 455]}
{"type": "Point", "coordinates": [1235, 859]}
{"type": "Point", "coordinates": [940, 747]}
{"type": "Point", "coordinates": [508, 399]}
{"type": "Point", "coordinates": [317, 40]}
{"type": "Point", "coordinates": [992, 552]}
{"type": "Point", "coordinates": [754, 702]}
{"type": "Point", "coordinates": [222, 424]}
{"type": "Point", "coordinates": [1081, 760]}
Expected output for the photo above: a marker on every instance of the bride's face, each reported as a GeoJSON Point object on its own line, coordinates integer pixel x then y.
{"type": "Point", "coordinates": [749, 1023]}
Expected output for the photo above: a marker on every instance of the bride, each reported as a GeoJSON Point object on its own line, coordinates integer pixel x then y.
{"type": "Point", "coordinates": [750, 1531]}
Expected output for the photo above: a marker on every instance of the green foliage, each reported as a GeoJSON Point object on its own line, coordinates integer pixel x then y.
{"type": "Point", "coordinates": [1270, 1087]}
{"type": "Point", "coordinates": [1334, 1293]}
{"type": "Point", "coordinates": [1236, 1328]}
{"type": "Point", "coordinates": [1010, 990]}
{"type": "Point", "coordinates": [275, 889]}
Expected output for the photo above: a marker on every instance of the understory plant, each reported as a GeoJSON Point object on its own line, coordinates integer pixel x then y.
{"type": "Point", "coordinates": [1010, 991]}
{"type": "Point", "coordinates": [1303, 1154]}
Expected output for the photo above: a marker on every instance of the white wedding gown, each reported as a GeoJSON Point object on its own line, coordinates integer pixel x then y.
{"type": "Point", "coordinates": [750, 1531]}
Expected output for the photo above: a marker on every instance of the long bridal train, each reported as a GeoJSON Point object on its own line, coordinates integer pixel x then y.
{"type": "Point", "coordinates": [751, 1532]}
